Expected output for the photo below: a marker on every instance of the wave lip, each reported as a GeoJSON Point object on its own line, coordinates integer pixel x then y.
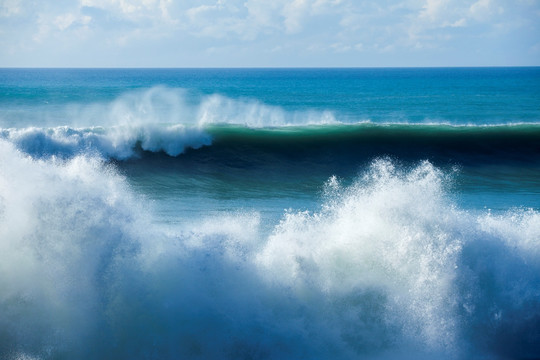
{"type": "Point", "coordinates": [118, 142]}
{"type": "Point", "coordinates": [341, 142]}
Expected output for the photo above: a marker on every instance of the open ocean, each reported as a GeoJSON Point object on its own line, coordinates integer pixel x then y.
{"type": "Point", "coordinates": [270, 213]}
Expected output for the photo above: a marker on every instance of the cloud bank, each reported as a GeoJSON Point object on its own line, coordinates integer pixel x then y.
{"type": "Point", "coordinates": [269, 33]}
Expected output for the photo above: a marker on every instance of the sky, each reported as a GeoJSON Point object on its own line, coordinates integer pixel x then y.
{"type": "Point", "coordinates": [264, 33]}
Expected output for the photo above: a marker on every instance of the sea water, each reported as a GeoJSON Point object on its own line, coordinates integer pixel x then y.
{"type": "Point", "coordinates": [269, 213]}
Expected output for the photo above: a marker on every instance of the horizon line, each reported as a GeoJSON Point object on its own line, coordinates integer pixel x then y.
{"type": "Point", "coordinates": [263, 67]}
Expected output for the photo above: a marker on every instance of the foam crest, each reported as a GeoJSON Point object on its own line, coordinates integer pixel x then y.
{"type": "Point", "coordinates": [119, 142]}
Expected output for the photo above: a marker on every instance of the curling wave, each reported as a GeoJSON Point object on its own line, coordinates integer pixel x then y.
{"type": "Point", "coordinates": [173, 120]}
{"type": "Point", "coordinates": [330, 143]}
{"type": "Point", "coordinates": [120, 142]}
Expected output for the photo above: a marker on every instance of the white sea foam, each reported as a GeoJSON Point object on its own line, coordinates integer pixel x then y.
{"type": "Point", "coordinates": [156, 119]}
{"type": "Point", "coordinates": [388, 267]}
{"type": "Point", "coordinates": [392, 233]}
{"type": "Point", "coordinates": [163, 105]}
{"type": "Point", "coordinates": [118, 142]}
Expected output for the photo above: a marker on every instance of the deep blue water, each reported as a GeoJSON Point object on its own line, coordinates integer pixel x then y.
{"type": "Point", "coordinates": [270, 213]}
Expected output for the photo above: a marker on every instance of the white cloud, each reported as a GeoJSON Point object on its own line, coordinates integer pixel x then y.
{"type": "Point", "coordinates": [338, 28]}
{"type": "Point", "coordinates": [62, 22]}
{"type": "Point", "coordinates": [10, 7]}
{"type": "Point", "coordinates": [436, 20]}
{"type": "Point", "coordinates": [340, 47]}
{"type": "Point", "coordinates": [195, 13]}
{"type": "Point", "coordinates": [248, 19]}
{"type": "Point", "coordinates": [43, 29]}
{"type": "Point", "coordinates": [218, 20]}
{"type": "Point", "coordinates": [433, 10]}
{"type": "Point", "coordinates": [459, 23]}
{"type": "Point", "coordinates": [482, 10]}
{"type": "Point", "coordinates": [132, 9]}
{"type": "Point", "coordinates": [294, 12]}
{"type": "Point", "coordinates": [65, 21]}
{"type": "Point", "coordinates": [263, 13]}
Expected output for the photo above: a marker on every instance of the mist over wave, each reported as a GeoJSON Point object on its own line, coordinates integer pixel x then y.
{"type": "Point", "coordinates": [217, 109]}
{"type": "Point", "coordinates": [173, 120]}
{"type": "Point", "coordinates": [386, 267]}
{"type": "Point", "coordinates": [161, 105]}
{"type": "Point", "coordinates": [155, 119]}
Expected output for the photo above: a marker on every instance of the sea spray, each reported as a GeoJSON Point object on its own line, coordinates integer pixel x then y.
{"type": "Point", "coordinates": [218, 109]}
{"type": "Point", "coordinates": [118, 142]}
{"type": "Point", "coordinates": [161, 105]}
{"type": "Point", "coordinates": [157, 119]}
{"type": "Point", "coordinates": [499, 285]}
{"type": "Point", "coordinates": [388, 243]}
{"type": "Point", "coordinates": [387, 267]}
{"type": "Point", "coordinates": [63, 227]}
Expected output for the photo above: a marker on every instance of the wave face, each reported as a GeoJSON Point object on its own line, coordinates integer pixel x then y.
{"type": "Point", "coordinates": [335, 143]}
{"type": "Point", "coordinates": [345, 144]}
{"type": "Point", "coordinates": [386, 267]}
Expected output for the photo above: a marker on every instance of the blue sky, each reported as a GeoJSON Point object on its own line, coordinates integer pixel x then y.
{"type": "Point", "coordinates": [263, 33]}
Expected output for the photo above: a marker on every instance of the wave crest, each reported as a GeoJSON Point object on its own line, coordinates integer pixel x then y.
{"type": "Point", "coordinates": [156, 119]}
{"type": "Point", "coordinates": [120, 142]}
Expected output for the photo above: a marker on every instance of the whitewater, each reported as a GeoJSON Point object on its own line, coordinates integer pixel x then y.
{"type": "Point", "coordinates": [181, 218]}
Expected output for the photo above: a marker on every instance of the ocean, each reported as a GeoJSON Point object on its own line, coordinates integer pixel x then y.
{"type": "Point", "coordinates": [270, 213]}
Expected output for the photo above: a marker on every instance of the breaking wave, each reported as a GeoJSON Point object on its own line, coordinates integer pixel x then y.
{"type": "Point", "coordinates": [158, 119]}
{"type": "Point", "coordinates": [172, 120]}
{"type": "Point", "coordinates": [340, 142]}
{"type": "Point", "coordinates": [121, 142]}
{"type": "Point", "coordinates": [387, 267]}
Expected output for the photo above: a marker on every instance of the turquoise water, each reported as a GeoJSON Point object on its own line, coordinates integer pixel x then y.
{"type": "Point", "coordinates": [269, 213]}
{"type": "Point", "coordinates": [454, 95]}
